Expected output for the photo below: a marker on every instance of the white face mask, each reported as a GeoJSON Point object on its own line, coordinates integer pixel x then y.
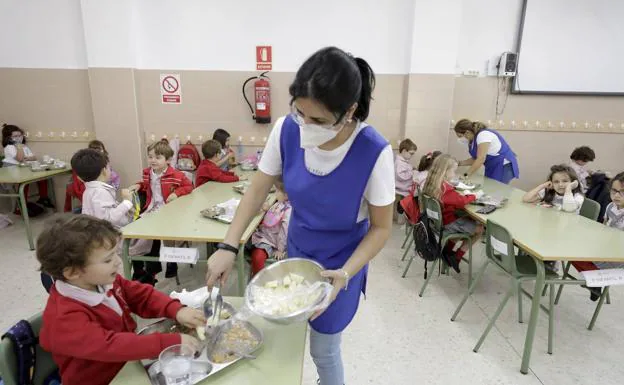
{"type": "Point", "coordinates": [313, 135]}
{"type": "Point", "coordinates": [463, 140]}
{"type": "Point", "coordinates": [18, 139]}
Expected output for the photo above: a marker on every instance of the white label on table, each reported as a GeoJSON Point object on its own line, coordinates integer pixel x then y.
{"type": "Point", "coordinates": [433, 214]}
{"type": "Point", "coordinates": [499, 246]}
{"type": "Point", "coordinates": [179, 254]}
{"type": "Point", "coordinates": [602, 278]}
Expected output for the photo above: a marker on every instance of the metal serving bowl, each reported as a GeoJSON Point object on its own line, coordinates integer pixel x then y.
{"type": "Point", "coordinates": [308, 269]}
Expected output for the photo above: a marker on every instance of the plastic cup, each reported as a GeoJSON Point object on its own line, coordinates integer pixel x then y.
{"type": "Point", "coordinates": [175, 364]}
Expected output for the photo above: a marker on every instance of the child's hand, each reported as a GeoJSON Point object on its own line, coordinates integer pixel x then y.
{"type": "Point", "coordinates": [134, 187]}
{"type": "Point", "coordinates": [573, 185]}
{"type": "Point", "coordinates": [126, 195]}
{"type": "Point", "coordinates": [279, 255]}
{"type": "Point", "coordinates": [190, 317]}
{"type": "Point", "coordinates": [192, 342]}
{"type": "Point", "coordinates": [548, 185]}
{"type": "Point", "coordinates": [172, 197]}
{"type": "Point", "coordinates": [266, 206]}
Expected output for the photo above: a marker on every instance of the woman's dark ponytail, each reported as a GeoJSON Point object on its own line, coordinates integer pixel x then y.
{"type": "Point", "coordinates": [366, 93]}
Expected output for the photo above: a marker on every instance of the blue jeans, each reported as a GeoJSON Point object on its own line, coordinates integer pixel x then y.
{"type": "Point", "coordinates": [325, 352]}
{"type": "Point", "coordinates": [508, 173]}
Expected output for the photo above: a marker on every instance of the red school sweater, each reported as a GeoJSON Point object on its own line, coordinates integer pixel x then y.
{"type": "Point", "coordinates": [91, 344]}
{"type": "Point", "coordinates": [172, 181]}
{"type": "Point", "coordinates": [452, 201]}
{"type": "Point", "coordinates": [209, 171]}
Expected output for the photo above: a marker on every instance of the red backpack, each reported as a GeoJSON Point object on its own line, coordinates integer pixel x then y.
{"type": "Point", "coordinates": [188, 157]}
{"type": "Point", "coordinates": [409, 204]}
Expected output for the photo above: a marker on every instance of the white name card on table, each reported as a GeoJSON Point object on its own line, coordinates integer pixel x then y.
{"type": "Point", "coordinates": [179, 255]}
{"type": "Point", "coordinates": [602, 278]}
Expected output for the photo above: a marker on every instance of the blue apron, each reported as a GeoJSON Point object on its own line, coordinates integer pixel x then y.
{"type": "Point", "coordinates": [323, 224]}
{"type": "Point", "coordinates": [494, 165]}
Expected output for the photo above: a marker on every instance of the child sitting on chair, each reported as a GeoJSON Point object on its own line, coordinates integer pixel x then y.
{"type": "Point", "coordinates": [87, 322]}
{"type": "Point", "coordinates": [209, 170]}
{"type": "Point", "coordinates": [161, 184]}
{"type": "Point", "coordinates": [614, 217]}
{"type": "Point", "coordinates": [100, 198]}
{"type": "Point", "coordinates": [270, 237]}
{"type": "Point", "coordinates": [438, 186]}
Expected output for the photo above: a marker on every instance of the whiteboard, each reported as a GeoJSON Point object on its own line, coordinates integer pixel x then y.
{"type": "Point", "coordinates": [570, 47]}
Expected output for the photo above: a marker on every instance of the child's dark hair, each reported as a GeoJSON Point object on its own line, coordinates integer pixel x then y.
{"type": "Point", "coordinates": [161, 147]}
{"type": "Point", "coordinates": [89, 163]}
{"type": "Point", "coordinates": [619, 177]}
{"type": "Point", "coordinates": [337, 80]}
{"type": "Point", "coordinates": [583, 154]}
{"type": "Point", "coordinates": [7, 131]}
{"type": "Point", "coordinates": [69, 239]}
{"type": "Point", "coordinates": [407, 145]}
{"type": "Point", "coordinates": [427, 160]}
{"type": "Point", "coordinates": [221, 136]}
{"type": "Point", "coordinates": [210, 148]}
{"type": "Point", "coordinates": [97, 145]}
{"type": "Point", "coordinates": [549, 194]}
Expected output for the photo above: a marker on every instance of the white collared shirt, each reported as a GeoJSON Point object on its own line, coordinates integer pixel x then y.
{"type": "Point", "coordinates": [157, 196]}
{"type": "Point", "coordinates": [89, 298]}
{"type": "Point", "coordinates": [99, 200]}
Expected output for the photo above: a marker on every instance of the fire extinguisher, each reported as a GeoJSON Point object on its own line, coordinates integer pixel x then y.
{"type": "Point", "coordinates": [262, 94]}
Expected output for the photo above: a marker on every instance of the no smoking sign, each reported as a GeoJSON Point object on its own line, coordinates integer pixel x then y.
{"type": "Point", "coordinates": [170, 89]}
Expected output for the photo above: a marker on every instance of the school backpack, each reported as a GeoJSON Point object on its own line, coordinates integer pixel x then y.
{"type": "Point", "coordinates": [409, 205]}
{"type": "Point", "coordinates": [188, 157]}
{"type": "Point", "coordinates": [25, 344]}
{"type": "Point", "coordinates": [426, 243]}
{"type": "Point", "coordinates": [599, 192]}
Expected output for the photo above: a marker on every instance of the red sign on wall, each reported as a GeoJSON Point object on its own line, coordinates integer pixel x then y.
{"type": "Point", "coordinates": [264, 58]}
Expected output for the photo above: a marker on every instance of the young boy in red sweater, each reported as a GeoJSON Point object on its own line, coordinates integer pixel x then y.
{"type": "Point", "coordinates": [208, 169]}
{"type": "Point", "coordinates": [87, 323]}
{"type": "Point", "coordinates": [438, 186]}
{"type": "Point", "coordinates": [162, 184]}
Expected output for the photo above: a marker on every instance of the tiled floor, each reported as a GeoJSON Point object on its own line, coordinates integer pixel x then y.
{"type": "Point", "coordinates": [399, 338]}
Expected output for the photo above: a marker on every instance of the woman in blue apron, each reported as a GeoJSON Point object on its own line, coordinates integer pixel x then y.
{"type": "Point", "coordinates": [487, 148]}
{"type": "Point", "coordinates": [338, 173]}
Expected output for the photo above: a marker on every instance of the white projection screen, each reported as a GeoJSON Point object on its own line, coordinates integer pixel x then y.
{"type": "Point", "coordinates": [571, 47]}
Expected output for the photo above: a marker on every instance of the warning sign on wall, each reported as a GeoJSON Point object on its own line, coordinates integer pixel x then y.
{"type": "Point", "coordinates": [264, 58]}
{"type": "Point", "coordinates": [170, 88]}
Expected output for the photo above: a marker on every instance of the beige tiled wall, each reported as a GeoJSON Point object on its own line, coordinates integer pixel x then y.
{"type": "Point", "coordinates": [475, 98]}
{"type": "Point", "coordinates": [428, 111]}
{"type": "Point", "coordinates": [212, 99]}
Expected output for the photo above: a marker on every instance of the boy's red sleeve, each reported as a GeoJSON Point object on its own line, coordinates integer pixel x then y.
{"type": "Point", "coordinates": [146, 301]}
{"type": "Point", "coordinates": [144, 182]}
{"type": "Point", "coordinates": [225, 177]}
{"type": "Point", "coordinates": [76, 335]}
{"type": "Point", "coordinates": [186, 186]}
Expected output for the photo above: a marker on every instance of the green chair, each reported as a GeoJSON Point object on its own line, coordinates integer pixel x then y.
{"type": "Point", "coordinates": [590, 210]}
{"type": "Point", "coordinates": [499, 249]}
{"type": "Point", "coordinates": [8, 362]}
{"type": "Point", "coordinates": [434, 213]}
{"type": "Point", "coordinates": [409, 228]}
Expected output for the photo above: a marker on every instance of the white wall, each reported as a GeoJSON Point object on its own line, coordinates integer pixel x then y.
{"type": "Point", "coordinates": [435, 36]}
{"type": "Point", "coordinates": [41, 34]}
{"type": "Point", "coordinates": [197, 34]}
{"type": "Point", "coordinates": [488, 28]}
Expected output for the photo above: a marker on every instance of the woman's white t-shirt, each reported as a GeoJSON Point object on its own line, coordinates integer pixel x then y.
{"type": "Point", "coordinates": [492, 139]}
{"type": "Point", "coordinates": [379, 190]}
{"type": "Point", "coordinates": [10, 152]}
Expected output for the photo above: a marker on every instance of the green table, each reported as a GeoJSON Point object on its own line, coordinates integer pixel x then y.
{"type": "Point", "coordinates": [181, 220]}
{"type": "Point", "coordinates": [279, 362]}
{"type": "Point", "coordinates": [548, 235]}
{"type": "Point", "coordinates": [22, 177]}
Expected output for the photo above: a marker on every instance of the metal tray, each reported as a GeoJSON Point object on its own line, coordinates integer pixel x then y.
{"type": "Point", "coordinates": [216, 213]}
{"type": "Point", "coordinates": [240, 188]}
{"type": "Point", "coordinates": [203, 367]}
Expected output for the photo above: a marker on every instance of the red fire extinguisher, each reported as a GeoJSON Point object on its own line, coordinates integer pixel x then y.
{"type": "Point", "coordinates": [262, 94]}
